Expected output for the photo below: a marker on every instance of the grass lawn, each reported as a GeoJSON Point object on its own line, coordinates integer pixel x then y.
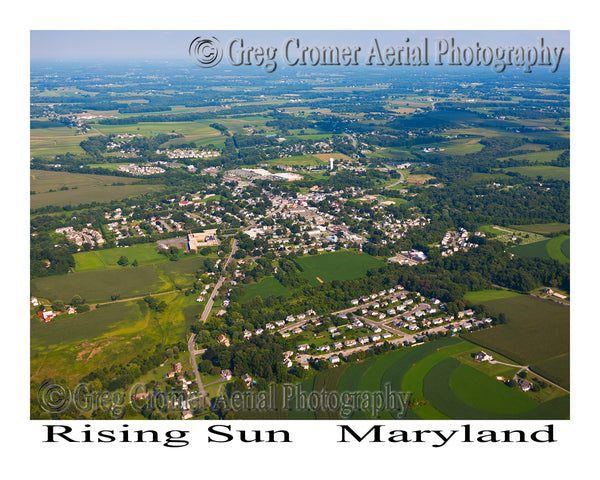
{"type": "Point", "coordinates": [340, 265]}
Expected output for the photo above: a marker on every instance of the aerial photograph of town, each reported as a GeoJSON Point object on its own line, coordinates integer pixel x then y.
{"type": "Point", "coordinates": [300, 225]}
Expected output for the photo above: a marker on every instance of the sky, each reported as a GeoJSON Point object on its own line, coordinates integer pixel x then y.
{"type": "Point", "coordinates": [158, 44]}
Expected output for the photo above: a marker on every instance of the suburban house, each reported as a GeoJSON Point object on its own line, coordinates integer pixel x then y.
{"type": "Point", "coordinates": [223, 339]}
{"type": "Point", "coordinates": [525, 385]}
{"type": "Point", "coordinates": [247, 380]}
{"type": "Point", "coordinates": [483, 357]}
{"type": "Point", "coordinates": [226, 374]}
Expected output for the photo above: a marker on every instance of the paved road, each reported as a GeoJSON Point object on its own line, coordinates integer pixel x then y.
{"type": "Point", "coordinates": [396, 182]}
{"type": "Point", "coordinates": [205, 313]}
{"type": "Point", "coordinates": [191, 349]}
{"type": "Point", "coordinates": [215, 292]}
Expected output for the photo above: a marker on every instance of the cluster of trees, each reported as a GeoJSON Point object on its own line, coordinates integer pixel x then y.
{"type": "Point", "coordinates": [47, 259]}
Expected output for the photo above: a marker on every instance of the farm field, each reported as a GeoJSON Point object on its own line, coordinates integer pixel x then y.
{"type": "Point", "coordinates": [90, 194]}
{"type": "Point", "coordinates": [551, 248]}
{"type": "Point", "coordinates": [100, 285]}
{"type": "Point", "coordinates": [301, 160]}
{"type": "Point", "coordinates": [82, 188]}
{"type": "Point", "coordinates": [536, 331]}
{"type": "Point", "coordinates": [338, 157]}
{"type": "Point", "coordinates": [537, 156]}
{"type": "Point", "coordinates": [505, 234]}
{"type": "Point", "coordinates": [485, 295]}
{"type": "Point", "coordinates": [445, 382]}
{"type": "Point", "coordinates": [183, 272]}
{"type": "Point", "coordinates": [545, 171]}
{"type": "Point", "coordinates": [196, 129]}
{"type": "Point", "coordinates": [103, 258]}
{"type": "Point", "coordinates": [48, 142]}
{"type": "Point", "coordinates": [340, 265]}
{"type": "Point", "coordinates": [71, 346]}
{"type": "Point", "coordinates": [70, 329]}
{"type": "Point", "coordinates": [542, 228]}
{"type": "Point", "coordinates": [44, 180]}
{"type": "Point", "coordinates": [265, 288]}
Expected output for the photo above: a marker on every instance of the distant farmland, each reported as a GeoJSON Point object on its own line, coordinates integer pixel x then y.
{"type": "Point", "coordinates": [81, 188]}
{"type": "Point", "coordinates": [542, 228]}
{"type": "Point", "coordinates": [545, 171]}
{"type": "Point", "coordinates": [340, 265]}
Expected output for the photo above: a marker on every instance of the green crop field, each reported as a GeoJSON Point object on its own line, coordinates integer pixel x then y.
{"type": "Point", "coordinates": [471, 385]}
{"type": "Point", "coordinates": [536, 330]}
{"type": "Point", "coordinates": [90, 194]}
{"type": "Point", "coordinates": [199, 129]}
{"type": "Point", "coordinates": [556, 369]}
{"type": "Point", "coordinates": [565, 248]}
{"type": "Point", "coordinates": [301, 160]}
{"type": "Point", "coordinates": [183, 272]}
{"type": "Point", "coordinates": [100, 285]}
{"type": "Point", "coordinates": [545, 171]}
{"type": "Point", "coordinates": [70, 346]}
{"type": "Point", "coordinates": [532, 250]}
{"type": "Point", "coordinates": [69, 329]}
{"type": "Point", "coordinates": [445, 383]}
{"type": "Point", "coordinates": [340, 265]}
{"type": "Point", "coordinates": [103, 258]}
{"type": "Point", "coordinates": [44, 180]}
{"type": "Point", "coordinates": [484, 295]}
{"type": "Point", "coordinates": [265, 288]}
{"type": "Point", "coordinates": [82, 188]}
{"type": "Point", "coordinates": [542, 228]}
{"type": "Point", "coordinates": [48, 142]}
{"type": "Point", "coordinates": [539, 156]}
{"type": "Point", "coordinates": [551, 248]}
{"type": "Point", "coordinates": [555, 248]}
